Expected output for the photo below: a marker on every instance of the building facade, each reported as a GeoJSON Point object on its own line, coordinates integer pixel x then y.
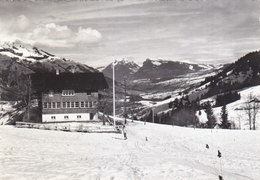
{"type": "Point", "coordinates": [69, 97]}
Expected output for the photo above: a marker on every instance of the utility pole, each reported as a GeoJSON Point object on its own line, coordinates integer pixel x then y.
{"type": "Point", "coordinates": [153, 114]}
{"type": "Point", "coordinates": [125, 101]}
{"type": "Point", "coordinates": [29, 97]}
{"type": "Point", "coordinates": [114, 98]}
{"type": "Point", "coordinates": [1, 106]}
{"type": "Point", "coordinates": [152, 109]}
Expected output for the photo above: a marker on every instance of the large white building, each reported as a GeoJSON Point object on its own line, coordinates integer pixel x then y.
{"type": "Point", "coordinates": [68, 97]}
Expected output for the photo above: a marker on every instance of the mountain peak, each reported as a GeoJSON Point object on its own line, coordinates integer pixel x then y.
{"type": "Point", "coordinates": [16, 43]}
{"type": "Point", "coordinates": [32, 59]}
{"type": "Point", "coordinates": [123, 68]}
{"type": "Point", "coordinates": [21, 50]}
{"type": "Point", "coordinates": [124, 62]}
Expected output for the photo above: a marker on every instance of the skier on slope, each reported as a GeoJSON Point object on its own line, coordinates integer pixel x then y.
{"type": "Point", "coordinates": [219, 156]}
{"type": "Point", "coordinates": [124, 132]}
{"type": "Point", "coordinates": [207, 146]}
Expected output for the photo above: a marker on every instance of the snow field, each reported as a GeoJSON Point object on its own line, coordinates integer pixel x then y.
{"type": "Point", "coordinates": [171, 152]}
{"type": "Point", "coordinates": [239, 117]}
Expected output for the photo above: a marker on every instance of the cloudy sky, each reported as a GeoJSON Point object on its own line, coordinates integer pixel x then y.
{"type": "Point", "coordinates": [95, 32]}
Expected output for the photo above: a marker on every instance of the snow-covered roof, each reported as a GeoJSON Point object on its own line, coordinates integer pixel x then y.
{"type": "Point", "coordinates": [76, 81]}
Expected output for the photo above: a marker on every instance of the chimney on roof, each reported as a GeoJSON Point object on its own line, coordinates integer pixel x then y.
{"type": "Point", "coordinates": [57, 72]}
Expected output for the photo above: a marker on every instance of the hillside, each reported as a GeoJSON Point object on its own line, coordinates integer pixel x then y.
{"type": "Point", "coordinates": [18, 59]}
{"type": "Point", "coordinates": [123, 69]}
{"type": "Point", "coordinates": [152, 69]}
{"type": "Point", "coordinates": [171, 86]}
{"type": "Point", "coordinates": [234, 109]}
{"type": "Point", "coordinates": [171, 152]}
{"type": "Point", "coordinates": [234, 78]}
{"type": "Point", "coordinates": [230, 85]}
{"type": "Point", "coordinates": [158, 79]}
{"type": "Point", "coordinates": [155, 84]}
{"type": "Point", "coordinates": [245, 72]}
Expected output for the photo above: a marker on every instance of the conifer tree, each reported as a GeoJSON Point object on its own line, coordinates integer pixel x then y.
{"type": "Point", "coordinates": [225, 124]}
{"type": "Point", "coordinates": [211, 123]}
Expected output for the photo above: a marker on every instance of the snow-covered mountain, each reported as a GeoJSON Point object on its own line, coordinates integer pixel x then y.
{"type": "Point", "coordinates": [156, 81]}
{"type": "Point", "coordinates": [18, 59]}
{"type": "Point", "coordinates": [22, 51]}
{"type": "Point", "coordinates": [37, 59]}
{"type": "Point", "coordinates": [243, 73]}
{"type": "Point", "coordinates": [124, 69]}
{"type": "Point", "coordinates": [230, 85]}
{"type": "Point", "coordinates": [154, 69]}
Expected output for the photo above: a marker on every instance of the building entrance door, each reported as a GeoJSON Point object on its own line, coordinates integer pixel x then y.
{"type": "Point", "coordinates": [91, 116]}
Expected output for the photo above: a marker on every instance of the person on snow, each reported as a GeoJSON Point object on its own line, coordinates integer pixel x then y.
{"type": "Point", "coordinates": [207, 146]}
{"type": "Point", "coordinates": [219, 154]}
{"type": "Point", "coordinates": [124, 132]}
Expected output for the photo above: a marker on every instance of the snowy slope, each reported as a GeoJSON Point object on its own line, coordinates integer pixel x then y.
{"type": "Point", "coordinates": [239, 117]}
{"type": "Point", "coordinates": [181, 83]}
{"type": "Point", "coordinates": [5, 107]}
{"type": "Point", "coordinates": [170, 153]}
{"type": "Point", "coordinates": [22, 51]}
{"type": "Point", "coordinates": [18, 59]}
{"type": "Point", "coordinates": [30, 57]}
{"type": "Point", "coordinates": [234, 77]}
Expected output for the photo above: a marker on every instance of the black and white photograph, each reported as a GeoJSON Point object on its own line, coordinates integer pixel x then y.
{"type": "Point", "coordinates": [129, 89]}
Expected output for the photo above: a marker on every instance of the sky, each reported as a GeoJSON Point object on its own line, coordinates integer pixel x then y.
{"type": "Point", "coordinates": [95, 32]}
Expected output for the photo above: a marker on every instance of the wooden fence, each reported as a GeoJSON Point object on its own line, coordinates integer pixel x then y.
{"type": "Point", "coordinates": [81, 127]}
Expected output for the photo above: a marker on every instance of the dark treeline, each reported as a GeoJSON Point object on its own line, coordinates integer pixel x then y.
{"type": "Point", "coordinates": [247, 67]}
{"type": "Point", "coordinates": [226, 98]}
{"type": "Point", "coordinates": [183, 112]}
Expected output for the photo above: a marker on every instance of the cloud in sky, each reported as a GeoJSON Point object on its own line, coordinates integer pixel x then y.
{"type": "Point", "coordinates": [22, 22]}
{"type": "Point", "coordinates": [50, 34]}
{"type": "Point", "coordinates": [95, 31]}
{"type": "Point", "coordinates": [87, 35]}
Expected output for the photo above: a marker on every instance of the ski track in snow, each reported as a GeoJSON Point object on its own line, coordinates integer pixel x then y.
{"type": "Point", "coordinates": [171, 152]}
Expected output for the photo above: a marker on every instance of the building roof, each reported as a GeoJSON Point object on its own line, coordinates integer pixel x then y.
{"type": "Point", "coordinates": [74, 81]}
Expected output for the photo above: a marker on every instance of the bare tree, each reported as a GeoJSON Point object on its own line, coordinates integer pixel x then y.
{"type": "Point", "coordinates": [101, 107]}
{"type": "Point", "coordinates": [255, 112]}
{"type": "Point", "coordinates": [251, 108]}
{"type": "Point", "coordinates": [23, 89]}
{"type": "Point", "coordinates": [104, 106]}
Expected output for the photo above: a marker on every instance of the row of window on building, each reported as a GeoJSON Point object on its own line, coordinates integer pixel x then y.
{"type": "Point", "coordinates": [66, 93]}
{"type": "Point", "coordinates": [58, 105]}
{"type": "Point", "coordinates": [65, 117]}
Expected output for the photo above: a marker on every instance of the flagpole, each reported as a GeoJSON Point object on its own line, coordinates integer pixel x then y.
{"type": "Point", "coordinates": [114, 98]}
